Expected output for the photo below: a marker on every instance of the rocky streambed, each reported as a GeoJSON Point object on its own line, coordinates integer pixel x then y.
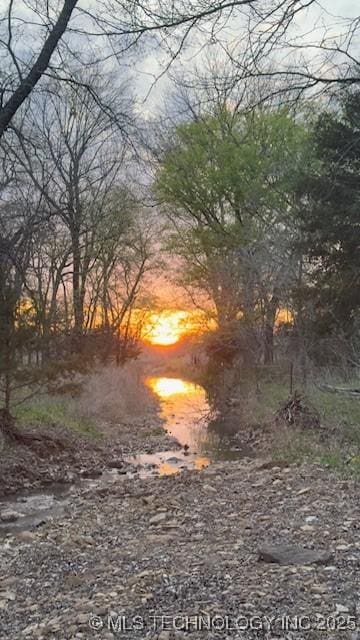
{"type": "Point", "coordinates": [155, 538]}
{"type": "Point", "coordinates": [35, 478]}
{"type": "Point", "coordinates": [180, 556]}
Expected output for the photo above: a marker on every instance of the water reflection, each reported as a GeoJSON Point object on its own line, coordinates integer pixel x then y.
{"type": "Point", "coordinates": [184, 409]}
{"type": "Point", "coordinates": [201, 462]}
{"type": "Point", "coordinates": [167, 387]}
{"type": "Point", "coordinates": [166, 469]}
{"type": "Point", "coordinates": [188, 418]}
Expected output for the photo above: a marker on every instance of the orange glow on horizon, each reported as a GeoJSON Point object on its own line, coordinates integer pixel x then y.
{"type": "Point", "coordinates": [168, 327]}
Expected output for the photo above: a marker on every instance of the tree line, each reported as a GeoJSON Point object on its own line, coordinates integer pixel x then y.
{"type": "Point", "coordinates": [76, 243]}
{"type": "Point", "coordinates": [254, 168]}
{"type": "Point", "coordinates": [263, 210]}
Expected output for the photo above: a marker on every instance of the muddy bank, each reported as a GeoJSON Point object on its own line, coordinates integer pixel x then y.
{"type": "Point", "coordinates": [178, 424]}
{"type": "Point", "coordinates": [65, 457]}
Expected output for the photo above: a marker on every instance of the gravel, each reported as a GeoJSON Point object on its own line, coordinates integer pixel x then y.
{"type": "Point", "coordinates": [178, 557]}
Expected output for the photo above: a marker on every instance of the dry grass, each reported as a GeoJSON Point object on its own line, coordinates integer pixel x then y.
{"type": "Point", "coordinates": [110, 394]}
{"type": "Point", "coordinates": [116, 393]}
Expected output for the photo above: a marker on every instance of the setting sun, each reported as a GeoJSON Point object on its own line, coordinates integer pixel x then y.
{"type": "Point", "coordinates": [167, 327]}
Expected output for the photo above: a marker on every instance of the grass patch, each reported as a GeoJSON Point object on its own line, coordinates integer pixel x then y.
{"type": "Point", "coordinates": [339, 449]}
{"type": "Point", "coordinates": [340, 412]}
{"type": "Point", "coordinates": [109, 394]}
{"type": "Point", "coordinates": [45, 411]}
{"type": "Point", "coordinates": [264, 404]}
{"type": "Point", "coordinates": [336, 411]}
{"type": "Point", "coordinates": [295, 447]}
{"type": "Point", "coordinates": [347, 466]}
{"type": "Point", "coordinates": [290, 445]}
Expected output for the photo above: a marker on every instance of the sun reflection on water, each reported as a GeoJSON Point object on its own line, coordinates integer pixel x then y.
{"type": "Point", "coordinates": [201, 462]}
{"type": "Point", "coordinates": [167, 387]}
{"type": "Point", "coordinates": [166, 469]}
{"type": "Point", "coordinates": [183, 406]}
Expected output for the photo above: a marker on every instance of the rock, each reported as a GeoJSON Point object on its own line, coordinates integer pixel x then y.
{"type": "Point", "coordinates": [83, 540]}
{"type": "Point", "coordinates": [303, 491]}
{"type": "Point", "coordinates": [8, 595]}
{"type": "Point", "coordinates": [310, 519]}
{"type": "Point", "coordinates": [26, 536]}
{"type": "Point", "coordinates": [343, 547]}
{"type": "Point", "coordinates": [82, 619]}
{"type": "Point", "coordinates": [291, 554]}
{"type": "Point", "coordinates": [340, 608]}
{"type": "Point", "coordinates": [146, 597]}
{"type": "Point", "coordinates": [30, 629]}
{"type": "Point", "coordinates": [157, 518]}
{"type": "Point", "coordinates": [75, 580]}
{"type": "Point", "coordinates": [318, 589]}
{"type": "Point", "coordinates": [8, 582]}
{"type": "Point", "coordinates": [160, 538]}
{"type": "Point", "coordinates": [116, 464]}
{"type": "Point", "coordinates": [164, 635]}
{"type": "Point", "coordinates": [9, 515]}
{"type": "Point", "coordinates": [209, 488]}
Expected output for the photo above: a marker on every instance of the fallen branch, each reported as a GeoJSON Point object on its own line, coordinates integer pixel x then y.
{"type": "Point", "coordinates": [330, 389]}
{"type": "Point", "coordinates": [297, 412]}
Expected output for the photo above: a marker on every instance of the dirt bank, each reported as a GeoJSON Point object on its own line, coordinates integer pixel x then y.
{"type": "Point", "coordinates": [58, 455]}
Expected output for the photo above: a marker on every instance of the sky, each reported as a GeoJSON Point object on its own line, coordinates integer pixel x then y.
{"type": "Point", "coordinates": [310, 26]}
{"type": "Point", "coordinates": [149, 68]}
{"type": "Point", "coordinates": [146, 66]}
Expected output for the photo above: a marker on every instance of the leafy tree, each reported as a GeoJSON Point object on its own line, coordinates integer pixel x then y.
{"type": "Point", "coordinates": [228, 182]}
{"type": "Point", "coordinates": [332, 222]}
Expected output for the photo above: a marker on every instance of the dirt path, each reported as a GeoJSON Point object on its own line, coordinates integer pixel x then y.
{"type": "Point", "coordinates": [153, 554]}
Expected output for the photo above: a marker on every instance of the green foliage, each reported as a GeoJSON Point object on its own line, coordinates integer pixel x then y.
{"type": "Point", "coordinates": [229, 183]}
{"type": "Point", "coordinates": [338, 443]}
{"type": "Point", "coordinates": [230, 167]}
{"type": "Point", "coordinates": [331, 223]}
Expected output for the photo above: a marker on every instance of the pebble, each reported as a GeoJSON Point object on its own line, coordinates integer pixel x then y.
{"type": "Point", "coordinates": [158, 517]}
{"type": "Point", "coordinates": [9, 516]}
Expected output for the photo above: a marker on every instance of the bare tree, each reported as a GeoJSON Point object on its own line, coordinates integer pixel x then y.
{"type": "Point", "coordinates": [20, 213]}
{"type": "Point", "coordinates": [72, 153]}
{"type": "Point", "coordinates": [72, 28]}
{"type": "Point", "coordinates": [14, 91]}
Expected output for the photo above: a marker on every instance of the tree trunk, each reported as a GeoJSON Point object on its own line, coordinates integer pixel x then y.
{"type": "Point", "coordinates": [268, 343]}
{"type": "Point", "coordinates": [77, 297]}
{"type": "Point", "coordinates": [27, 84]}
{"type": "Point", "coordinates": [270, 316]}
